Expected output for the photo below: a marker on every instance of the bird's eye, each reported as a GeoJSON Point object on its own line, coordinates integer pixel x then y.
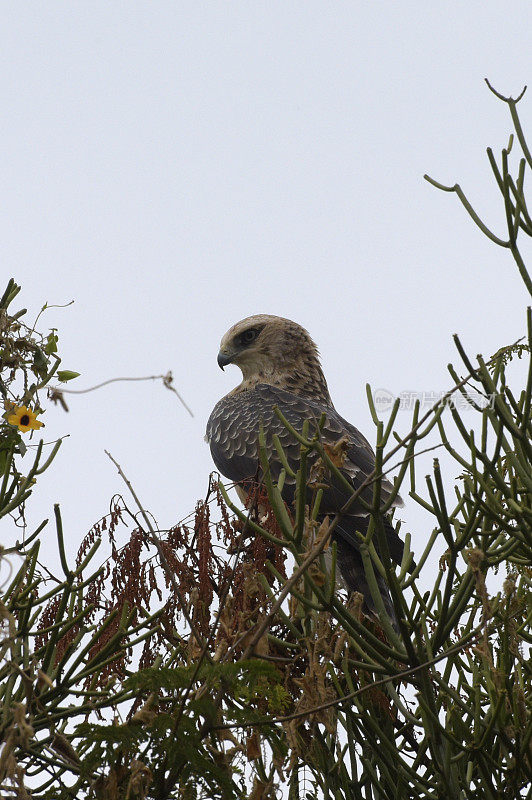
{"type": "Point", "coordinates": [248, 336]}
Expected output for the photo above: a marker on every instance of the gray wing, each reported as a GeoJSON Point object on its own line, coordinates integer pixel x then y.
{"type": "Point", "coordinates": [233, 427]}
{"type": "Point", "coordinates": [232, 433]}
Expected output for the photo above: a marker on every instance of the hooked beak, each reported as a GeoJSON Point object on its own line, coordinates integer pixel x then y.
{"type": "Point", "coordinates": [223, 359]}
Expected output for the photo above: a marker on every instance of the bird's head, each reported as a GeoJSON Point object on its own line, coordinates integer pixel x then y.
{"type": "Point", "coordinates": [274, 350]}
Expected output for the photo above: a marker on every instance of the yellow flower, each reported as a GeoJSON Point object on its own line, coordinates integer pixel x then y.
{"type": "Point", "coordinates": [25, 419]}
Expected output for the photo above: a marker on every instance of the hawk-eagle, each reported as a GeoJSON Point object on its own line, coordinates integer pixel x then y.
{"type": "Point", "coordinates": [281, 367]}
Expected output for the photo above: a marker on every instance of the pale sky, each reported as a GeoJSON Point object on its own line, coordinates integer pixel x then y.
{"type": "Point", "coordinates": [174, 167]}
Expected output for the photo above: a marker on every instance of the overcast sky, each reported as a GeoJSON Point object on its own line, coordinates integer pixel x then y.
{"type": "Point", "coordinates": [173, 167]}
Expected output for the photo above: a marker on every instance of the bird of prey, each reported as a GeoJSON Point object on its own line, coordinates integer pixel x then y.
{"type": "Point", "coordinates": [281, 368]}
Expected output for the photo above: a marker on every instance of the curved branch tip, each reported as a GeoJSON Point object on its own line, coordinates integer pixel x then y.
{"type": "Point", "coordinates": [502, 97]}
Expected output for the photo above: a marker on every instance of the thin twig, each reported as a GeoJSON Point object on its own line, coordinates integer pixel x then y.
{"type": "Point", "coordinates": [45, 307]}
{"type": "Point", "coordinates": [411, 458]}
{"type": "Point", "coordinates": [157, 542]}
{"type": "Point", "coordinates": [166, 379]}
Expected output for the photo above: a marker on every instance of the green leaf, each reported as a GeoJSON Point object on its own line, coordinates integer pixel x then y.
{"type": "Point", "coordinates": [65, 375]}
{"type": "Point", "coordinates": [40, 364]}
{"type": "Point", "coordinates": [51, 343]}
{"type": "Point", "coordinates": [11, 438]}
